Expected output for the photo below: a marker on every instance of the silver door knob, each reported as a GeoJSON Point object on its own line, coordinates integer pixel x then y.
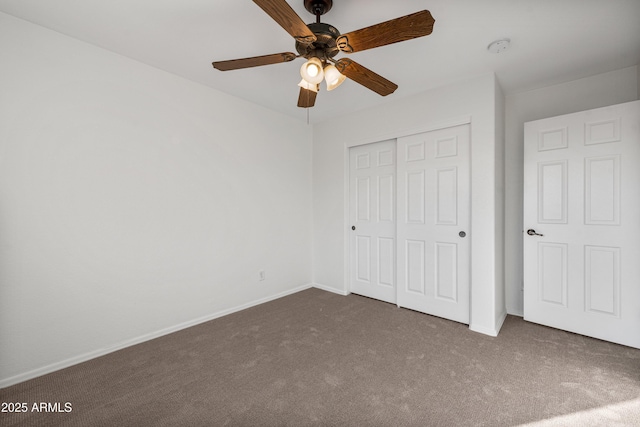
{"type": "Point", "coordinates": [532, 232]}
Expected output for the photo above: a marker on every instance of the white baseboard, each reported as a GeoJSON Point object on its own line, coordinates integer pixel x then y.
{"type": "Point", "coordinates": [331, 289]}
{"type": "Point", "coordinates": [490, 331]}
{"type": "Point", "coordinates": [6, 382]}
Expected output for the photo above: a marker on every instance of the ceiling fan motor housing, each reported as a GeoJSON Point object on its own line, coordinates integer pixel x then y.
{"type": "Point", "coordinates": [325, 46]}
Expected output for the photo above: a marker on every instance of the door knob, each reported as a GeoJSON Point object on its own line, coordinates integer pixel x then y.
{"type": "Point", "coordinates": [353, 227]}
{"type": "Point", "coordinates": [462, 234]}
{"type": "Point", "coordinates": [532, 232]}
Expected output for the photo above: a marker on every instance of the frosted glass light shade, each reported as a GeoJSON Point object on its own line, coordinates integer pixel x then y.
{"type": "Point", "coordinates": [306, 85]}
{"type": "Point", "coordinates": [311, 71]}
{"type": "Point", "coordinates": [333, 77]}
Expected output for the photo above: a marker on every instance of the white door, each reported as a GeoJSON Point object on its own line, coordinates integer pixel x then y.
{"type": "Point", "coordinates": [372, 171]}
{"type": "Point", "coordinates": [433, 223]}
{"type": "Point", "coordinates": [582, 198]}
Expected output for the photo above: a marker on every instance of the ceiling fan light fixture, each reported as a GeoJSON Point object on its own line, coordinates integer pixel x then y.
{"type": "Point", "coordinates": [311, 71]}
{"type": "Point", "coordinates": [320, 42]}
{"type": "Point", "coordinates": [333, 77]}
{"type": "Point", "coordinates": [309, 86]}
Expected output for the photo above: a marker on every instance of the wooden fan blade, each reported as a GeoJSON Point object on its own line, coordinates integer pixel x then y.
{"type": "Point", "coordinates": [255, 61]}
{"type": "Point", "coordinates": [288, 19]}
{"type": "Point", "coordinates": [366, 77]}
{"type": "Point", "coordinates": [408, 27]}
{"type": "Point", "coordinates": [307, 98]}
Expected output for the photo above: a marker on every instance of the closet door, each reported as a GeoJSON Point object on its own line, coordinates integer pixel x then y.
{"type": "Point", "coordinates": [372, 211]}
{"type": "Point", "coordinates": [433, 247]}
{"type": "Point", "coordinates": [582, 221]}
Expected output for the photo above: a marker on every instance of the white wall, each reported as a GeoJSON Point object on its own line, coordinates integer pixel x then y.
{"type": "Point", "coordinates": [133, 202]}
{"type": "Point", "coordinates": [474, 99]}
{"type": "Point", "coordinates": [610, 88]}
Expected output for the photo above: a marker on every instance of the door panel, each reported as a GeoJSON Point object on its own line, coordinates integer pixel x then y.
{"type": "Point", "coordinates": [552, 200]}
{"type": "Point", "coordinates": [446, 271]}
{"type": "Point", "coordinates": [552, 273]}
{"type": "Point", "coordinates": [415, 197]}
{"type": "Point", "coordinates": [414, 267]}
{"type": "Point", "coordinates": [433, 208]}
{"type": "Point", "coordinates": [602, 192]}
{"type": "Point", "coordinates": [602, 280]}
{"type": "Point", "coordinates": [581, 176]}
{"type": "Point", "coordinates": [446, 196]}
{"type": "Point", "coordinates": [372, 186]}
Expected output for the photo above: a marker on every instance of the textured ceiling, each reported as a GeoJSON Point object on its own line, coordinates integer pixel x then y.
{"type": "Point", "coordinates": [551, 41]}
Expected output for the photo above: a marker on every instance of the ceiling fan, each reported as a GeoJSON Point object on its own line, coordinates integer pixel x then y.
{"type": "Point", "coordinates": [319, 43]}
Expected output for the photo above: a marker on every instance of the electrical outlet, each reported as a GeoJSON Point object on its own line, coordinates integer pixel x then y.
{"type": "Point", "coordinates": [261, 275]}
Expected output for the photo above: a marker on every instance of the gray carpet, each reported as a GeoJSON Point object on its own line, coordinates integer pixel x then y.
{"type": "Point", "coordinates": [315, 358]}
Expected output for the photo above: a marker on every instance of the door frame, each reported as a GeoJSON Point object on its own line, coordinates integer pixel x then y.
{"type": "Point", "coordinates": [458, 121]}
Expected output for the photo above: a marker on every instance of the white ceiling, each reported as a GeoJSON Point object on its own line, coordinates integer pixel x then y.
{"type": "Point", "coordinates": [552, 41]}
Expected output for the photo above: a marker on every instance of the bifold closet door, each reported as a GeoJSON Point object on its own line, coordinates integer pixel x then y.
{"type": "Point", "coordinates": [372, 211]}
{"type": "Point", "coordinates": [433, 249]}
{"type": "Point", "coordinates": [582, 223]}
